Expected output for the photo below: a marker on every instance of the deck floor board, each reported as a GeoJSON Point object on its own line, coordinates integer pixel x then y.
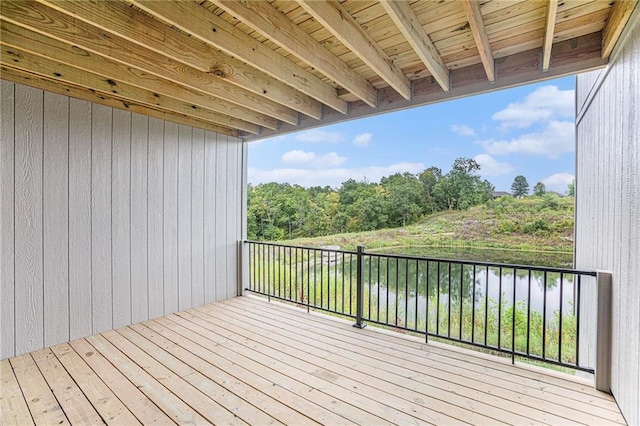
{"type": "Point", "coordinates": [247, 361]}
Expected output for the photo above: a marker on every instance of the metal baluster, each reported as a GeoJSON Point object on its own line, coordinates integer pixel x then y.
{"type": "Point", "coordinates": [560, 318]}
{"type": "Point", "coordinates": [544, 315]}
{"type": "Point", "coordinates": [529, 312]}
{"type": "Point", "coordinates": [359, 289]}
{"type": "Point", "coordinates": [416, 296]}
{"type": "Point", "coordinates": [473, 310]}
{"type": "Point", "coordinates": [449, 303]}
{"type": "Point", "coordinates": [500, 308]}
{"type": "Point", "coordinates": [513, 320]}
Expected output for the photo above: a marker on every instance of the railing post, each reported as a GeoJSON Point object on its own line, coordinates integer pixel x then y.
{"type": "Point", "coordinates": [603, 332]}
{"type": "Point", "coordinates": [241, 272]}
{"type": "Point", "coordinates": [360, 288]}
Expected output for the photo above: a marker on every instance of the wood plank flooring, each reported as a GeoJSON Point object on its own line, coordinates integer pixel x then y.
{"type": "Point", "coordinates": [247, 361]}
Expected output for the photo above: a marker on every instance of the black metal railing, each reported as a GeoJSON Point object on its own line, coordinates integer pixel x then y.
{"type": "Point", "coordinates": [526, 311]}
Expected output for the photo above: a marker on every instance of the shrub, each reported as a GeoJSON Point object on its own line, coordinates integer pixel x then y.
{"type": "Point", "coordinates": [551, 201]}
{"type": "Point", "coordinates": [537, 227]}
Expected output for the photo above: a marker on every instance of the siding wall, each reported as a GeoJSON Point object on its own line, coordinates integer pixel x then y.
{"type": "Point", "coordinates": [608, 205]}
{"type": "Point", "coordinates": [109, 218]}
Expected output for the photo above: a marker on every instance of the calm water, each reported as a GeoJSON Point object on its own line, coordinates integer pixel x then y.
{"type": "Point", "coordinates": [530, 290]}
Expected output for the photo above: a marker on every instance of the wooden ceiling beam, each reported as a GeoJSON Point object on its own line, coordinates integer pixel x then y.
{"type": "Point", "coordinates": [53, 23]}
{"type": "Point", "coordinates": [569, 57]}
{"type": "Point", "coordinates": [618, 18]}
{"type": "Point", "coordinates": [205, 26]}
{"type": "Point", "coordinates": [345, 28]}
{"type": "Point", "coordinates": [88, 95]}
{"type": "Point", "coordinates": [552, 12]}
{"type": "Point", "coordinates": [14, 35]}
{"type": "Point", "coordinates": [137, 27]}
{"type": "Point", "coordinates": [476, 23]}
{"type": "Point", "coordinates": [409, 25]}
{"type": "Point", "coordinates": [268, 21]}
{"type": "Point", "coordinates": [56, 71]}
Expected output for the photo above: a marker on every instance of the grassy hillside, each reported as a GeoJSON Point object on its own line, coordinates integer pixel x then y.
{"type": "Point", "coordinates": [543, 224]}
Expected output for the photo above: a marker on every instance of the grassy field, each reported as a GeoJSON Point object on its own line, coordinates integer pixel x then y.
{"type": "Point", "coordinates": [539, 224]}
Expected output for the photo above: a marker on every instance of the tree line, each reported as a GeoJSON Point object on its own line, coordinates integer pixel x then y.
{"type": "Point", "coordinates": [279, 211]}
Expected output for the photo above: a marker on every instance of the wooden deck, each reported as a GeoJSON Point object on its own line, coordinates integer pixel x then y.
{"type": "Point", "coordinates": [245, 361]}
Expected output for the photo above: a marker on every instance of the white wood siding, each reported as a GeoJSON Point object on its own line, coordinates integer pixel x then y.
{"type": "Point", "coordinates": [109, 218]}
{"type": "Point", "coordinates": [608, 206]}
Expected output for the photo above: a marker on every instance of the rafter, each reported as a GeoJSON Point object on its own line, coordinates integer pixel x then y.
{"type": "Point", "coordinates": [119, 19]}
{"type": "Point", "coordinates": [408, 23]}
{"type": "Point", "coordinates": [268, 21]}
{"type": "Point", "coordinates": [199, 22]}
{"type": "Point", "coordinates": [569, 57]}
{"type": "Point", "coordinates": [16, 36]}
{"type": "Point", "coordinates": [77, 33]}
{"type": "Point", "coordinates": [88, 95]}
{"type": "Point", "coordinates": [618, 18]}
{"type": "Point", "coordinates": [476, 22]}
{"type": "Point", "coordinates": [345, 28]}
{"type": "Point", "coordinates": [33, 64]}
{"type": "Point", "coordinates": [552, 12]}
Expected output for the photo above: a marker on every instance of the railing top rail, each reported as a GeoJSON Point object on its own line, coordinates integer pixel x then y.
{"type": "Point", "coordinates": [483, 263]}
{"type": "Point", "coordinates": [267, 243]}
{"type": "Point", "coordinates": [436, 259]}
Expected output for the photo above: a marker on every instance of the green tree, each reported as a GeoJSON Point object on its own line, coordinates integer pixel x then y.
{"type": "Point", "coordinates": [462, 188]}
{"type": "Point", "coordinates": [520, 186]}
{"type": "Point", "coordinates": [571, 189]}
{"type": "Point", "coordinates": [428, 179]}
{"type": "Point", "coordinates": [405, 202]}
{"type": "Point", "coordinates": [539, 189]}
{"type": "Point", "coordinates": [280, 210]}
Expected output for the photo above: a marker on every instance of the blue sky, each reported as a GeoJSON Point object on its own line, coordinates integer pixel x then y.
{"type": "Point", "coordinates": [527, 130]}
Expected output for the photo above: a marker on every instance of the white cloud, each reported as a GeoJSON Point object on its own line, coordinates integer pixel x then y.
{"type": "Point", "coordinates": [362, 139]}
{"type": "Point", "coordinates": [544, 104]}
{"type": "Point", "coordinates": [329, 176]}
{"type": "Point", "coordinates": [489, 166]}
{"type": "Point", "coordinates": [310, 159]}
{"type": "Point", "coordinates": [297, 157]}
{"type": "Point", "coordinates": [463, 130]}
{"type": "Point", "coordinates": [558, 182]}
{"type": "Point", "coordinates": [557, 138]}
{"type": "Point", "coordinates": [319, 136]}
{"type": "Point", "coordinates": [329, 160]}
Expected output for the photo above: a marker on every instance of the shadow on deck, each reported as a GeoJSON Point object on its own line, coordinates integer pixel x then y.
{"type": "Point", "coordinates": [248, 361]}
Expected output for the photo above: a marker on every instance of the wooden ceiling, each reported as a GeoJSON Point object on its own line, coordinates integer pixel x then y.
{"type": "Point", "coordinates": [258, 68]}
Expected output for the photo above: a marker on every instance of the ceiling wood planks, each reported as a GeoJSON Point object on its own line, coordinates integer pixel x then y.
{"type": "Point", "coordinates": [268, 21]}
{"type": "Point", "coordinates": [139, 28]}
{"type": "Point", "coordinates": [13, 35]}
{"type": "Point", "coordinates": [617, 19]}
{"type": "Point", "coordinates": [476, 22]}
{"type": "Point", "coordinates": [216, 32]}
{"type": "Point", "coordinates": [409, 25]}
{"type": "Point", "coordinates": [344, 27]}
{"type": "Point", "coordinates": [260, 68]}
{"type": "Point", "coordinates": [40, 18]}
